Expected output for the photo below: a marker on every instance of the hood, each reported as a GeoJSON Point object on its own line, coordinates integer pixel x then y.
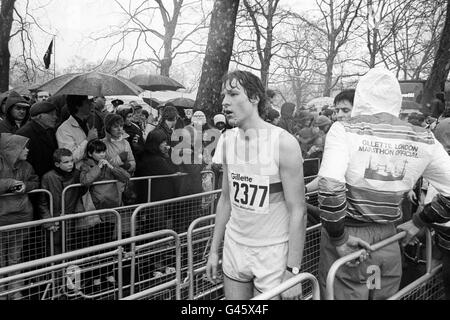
{"type": "Point", "coordinates": [378, 91]}
{"type": "Point", "coordinates": [11, 146]}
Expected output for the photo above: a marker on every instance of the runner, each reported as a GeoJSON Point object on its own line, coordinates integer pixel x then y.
{"type": "Point", "coordinates": [261, 212]}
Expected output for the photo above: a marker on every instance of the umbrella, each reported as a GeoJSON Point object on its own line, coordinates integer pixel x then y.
{"type": "Point", "coordinates": [152, 102]}
{"type": "Point", "coordinates": [154, 82]}
{"type": "Point", "coordinates": [184, 103]}
{"type": "Point", "coordinates": [91, 84]}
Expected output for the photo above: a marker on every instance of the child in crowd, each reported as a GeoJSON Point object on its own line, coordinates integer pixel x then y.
{"type": "Point", "coordinates": [95, 168]}
{"type": "Point", "coordinates": [17, 178]}
{"type": "Point", "coordinates": [64, 174]}
{"type": "Point", "coordinates": [119, 154]}
{"type": "Point", "coordinates": [118, 150]}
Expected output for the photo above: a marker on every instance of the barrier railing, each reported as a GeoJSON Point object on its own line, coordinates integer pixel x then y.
{"type": "Point", "coordinates": [275, 292]}
{"type": "Point", "coordinates": [81, 262]}
{"type": "Point", "coordinates": [427, 287]}
{"type": "Point", "coordinates": [37, 241]}
{"type": "Point", "coordinates": [175, 214]}
{"type": "Point", "coordinates": [47, 279]}
{"type": "Point", "coordinates": [199, 286]}
{"type": "Point", "coordinates": [340, 262]}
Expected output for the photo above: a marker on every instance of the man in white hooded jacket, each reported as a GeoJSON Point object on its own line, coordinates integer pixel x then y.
{"type": "Point", "coordinates": [370, 161]}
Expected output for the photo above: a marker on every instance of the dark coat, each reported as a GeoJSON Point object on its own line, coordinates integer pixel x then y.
{"type": "Point", "coordinates": [137, 148]}
{"type": "Point", "coordinates": [152, 165]}
{"type": "Point", "coordinates": [42, 144]}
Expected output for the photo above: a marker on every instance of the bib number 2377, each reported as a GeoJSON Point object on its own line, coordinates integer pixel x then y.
{"type": "Point", "coordinates": [250, 193]}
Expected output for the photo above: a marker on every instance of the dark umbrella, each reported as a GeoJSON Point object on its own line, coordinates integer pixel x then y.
{"type": "Point", "coordinates": [91, 84]}
{"type": "Point", "coordinates": [152, 102]}
{"type": "Point", "coordinates": [184, 103]}
{"type": "Point", "coordinates": [154, 82]}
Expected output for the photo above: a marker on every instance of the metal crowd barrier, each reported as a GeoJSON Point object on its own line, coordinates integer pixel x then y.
{"type": "Point", "coordinates": [199, 241]}
{"type": "Point", "coordinates": [67, 270]}
{"type": "Point", "coordinates": [340, 262]}
{"type": "Point", "coordinates": [430, 285]}
{"type": "Point", "coordinates": [275, 292]}
{"type": "Point", "coordinates": [36, 242]}
{"type": "Point", "coordinates": [174, 214]}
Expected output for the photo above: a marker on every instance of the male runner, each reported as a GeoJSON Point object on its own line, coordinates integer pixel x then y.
{"type": "Point", "coordinates": [261, 212]}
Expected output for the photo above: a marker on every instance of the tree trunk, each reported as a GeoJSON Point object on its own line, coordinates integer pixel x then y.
{"type": "Point", "coordinates": [6, 19]}
{"type": "Point", "coordinates": [328, 76]}
{"type": "Point", "coordinates": [441, 65]}
{"type": "Point", "coordinates": [217, 57]}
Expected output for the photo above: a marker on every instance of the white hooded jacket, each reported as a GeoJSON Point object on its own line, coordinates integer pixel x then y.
{"type": "Point", "coordinates": [373, 159]}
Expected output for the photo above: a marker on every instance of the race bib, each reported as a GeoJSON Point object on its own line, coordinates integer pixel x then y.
{"type": "Point", "coordinates": [250, 192]}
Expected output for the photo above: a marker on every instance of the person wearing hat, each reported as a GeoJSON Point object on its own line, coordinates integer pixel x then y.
{"type": "Point", "coordinates": [220, 122]}
{"type": "Point", "coordinates": [16, 110]}
{"type": "Point", "coordinates": [41, 132]}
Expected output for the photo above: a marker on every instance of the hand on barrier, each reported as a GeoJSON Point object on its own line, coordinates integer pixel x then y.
{"type": "Point", "coordinates": [18, 187]}
{"type": "Point", "coordinates": [354, 244]}
{"type": "Point", "coordinates": [53, 227]}
{"type": "Point", "coordinates": [211, 268]}
{"type": "Point", "coordinates": [412, 197]}
{"type": "Point", "coordinates": [294, 293]}
{"type": "Point", "coordinates": [411, 232]}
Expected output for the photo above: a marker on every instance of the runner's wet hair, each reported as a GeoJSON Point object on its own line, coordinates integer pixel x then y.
{"type": "Point", "coordinates": [252, 85]}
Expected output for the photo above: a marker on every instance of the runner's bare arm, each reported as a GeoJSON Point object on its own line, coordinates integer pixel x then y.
{"type": "Point", "coordinates": [223, 213]}
{"type": "Point", "coordinates": [291, 171]}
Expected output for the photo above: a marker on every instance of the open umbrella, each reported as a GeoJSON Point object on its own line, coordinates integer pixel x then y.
{"type": "Point", "coordinates": [184, 103]}
{"type": "Point", "coordinates": [154, 82]}
{"type": "Point", "coordinates": [91, 84]}
{"type": "Point", "coordinates": [152, 102]}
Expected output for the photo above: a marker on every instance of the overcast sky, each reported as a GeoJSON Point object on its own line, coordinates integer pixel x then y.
{"type": "Point", "coordinates": [74, 21]}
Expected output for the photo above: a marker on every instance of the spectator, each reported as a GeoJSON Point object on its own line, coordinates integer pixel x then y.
{"type": "Point", "coordinates": [343, 104]}
{"type": "Point", "coordinates": [134, 132]}
{"type": "Point", "coordinates": [16, 110]}
{"type": "Point", "coordinates": [119, 153]}
{"type": "Point", "coordinates": [156, 162]}
{"type": "Point", "coordinates": [96, 168]}
{"type": "Point", "coordinates": [167, 123]}
{"type": "Point", "coordinates": [287, 117]}
{"type": "Point", "coordinates": [137, 114]}
{"type": "Point", "coordinates": [116, 103]}
{"type": "Point", "coordinates": [42, 134]}
{"type": "Point", "coordinates": [75, 133]}
{"type": "Point", "coordinates": [118, 150]}
{"type": "Point", "coordinates": [149, 123]}
{"type": "Point", "coordinates": [273, 117]}
{"type": "Point", "coordinates": [42, 96]}
{"type": "Point", "coordinates": [60, 103]}
{"type": "Point", "coordinates": [220, 122]}
{"type": "Point", "coordinates": [56, 180]}
{"type": "Point", "coordinates": [17, 177]}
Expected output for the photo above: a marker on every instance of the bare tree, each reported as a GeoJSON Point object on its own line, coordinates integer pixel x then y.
{"type": "Point", "coordinates": [257, 21]}
{"type": "Point", "coordinates": [337, 25]}
{"type": "Point", "coordinates": [217, 57]}
{"type": "Point", "coordinates": [6, 20]}
{"type": "Point", "coordinates": [441, 65]}
{"type": "Point", "coordinates": [161, 48]}
{"type": "Point", "coordinates": [297, 66]}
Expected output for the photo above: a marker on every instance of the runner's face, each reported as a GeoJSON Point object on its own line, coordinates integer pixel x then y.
{"type": "Point", "coordinates": [237, 106]}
